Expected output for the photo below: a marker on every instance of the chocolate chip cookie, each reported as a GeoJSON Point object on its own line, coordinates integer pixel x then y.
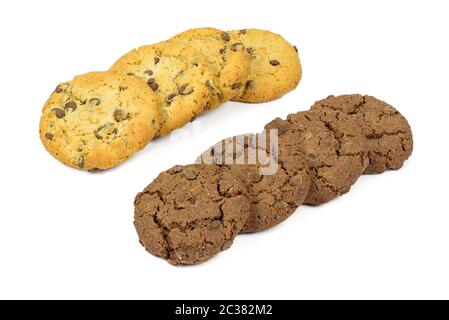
{"type": "Point", "coordinates": [178, 74]}
{"type": "Point", "coordinates": [227, 56]}
{"type": "Point", "coordinates": [190, 213]}
{"type": "Point", "coordinates": [275, 65]}
{"type": "Point", "coordinates": [278, 182]}
{"type": "Point", "coordinates": [333, 146]}
{"type": "Point", "coordinates": [389, 136]}
{"type": "Point", "coordinates": [99, 120]}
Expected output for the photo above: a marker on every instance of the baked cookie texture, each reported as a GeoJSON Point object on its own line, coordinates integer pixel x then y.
{"type": "Point", "coordinates": [98, 120]}
{"type": "Point", "coordinates": [190, 213]}
{"type": "Point", "coordinates": [388, 134]}
{"type": "Point", "coordinates": [275, 65]}
{"type": "Point", "coordinates": [227, 57]}
{"type": "Point", "coordinates": [333, 145]}
{"type": "Point", "coordinates": [278, 182]}
{"type": "Point", "coordinates": [180, 77]}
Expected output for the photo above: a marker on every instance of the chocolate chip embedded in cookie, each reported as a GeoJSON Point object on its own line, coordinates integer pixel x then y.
{"type": "Point", "coordinates": [99, 120]}
{"type": "Point", "coordinates": [333, 146]}
{"type": "Point", "coordinates": [275, 66]}
{"type": "Point", "coordinates": [389, 136]}
{"type": "Point", "coordinates": [227, 57]}
{"type": "Point", "coordinates": [278, 182]}
{"type": "Point", "coordinates": [178, 74]}
{"type": "Point", "coordinates": [190, 213]}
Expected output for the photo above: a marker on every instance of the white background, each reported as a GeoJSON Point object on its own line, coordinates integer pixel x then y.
{"type": "Point", "coordinates": [69, 234]}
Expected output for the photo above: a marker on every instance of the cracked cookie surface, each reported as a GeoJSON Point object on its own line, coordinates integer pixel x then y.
{"type": "Point", "coordinates": [333, 146]}
{"type": "Point", "coordinates": [190, 213]}
{"type": "Point", "coordinates": [275, 68]}
{"type": "Point", "coordinates": [98, 120]}
{"type": "Point", "coordinates": [389, 136]}
{"type": "Point", "coordinates": [278, 182]}
{"type": "Point", "coordinates": [178, 74]}
{"type": "Point", "coordinates": [227, 57]}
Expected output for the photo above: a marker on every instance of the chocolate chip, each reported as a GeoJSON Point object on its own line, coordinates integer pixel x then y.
{"type": "Point", "coordinates": [49, 136]}
{"type": "Point", "coordinates": [182, 90]}
{"type": "Point", "coordinates": [120, 88]}
{"type": "Point", "coordinates": [71, 105]}
{"type": "Point", "coordinates": [153, 84]}
{"type": "Point", "coordinates": [243, 31]}
{"type": "Point", "coordinates": [97, 134]}
{"type": "Point", "coordinates": [250, 50]}
{"type": "Point", "coordinates": [214, 224]}
{"type": "Point", "coordinates": [120, 115]}
{"type": "Point", "coordinates": [296, 48]}
{"type": "Point", "coordinates": [236, 85]}
{"type": "Point", "coordinates": [189, 174]}
{"type": "Point", "coordinates": [209, 84]}
{"type": "Point", "coordinates": [249, 84]}
{"type": "Point", "coordinates": [100, 128]}
{"type": "Point", "coordinates": [220, 96]}
{"type": "Point", "coordinates": [95, 170]}
{"type": "Point", "coordinates": [80, 162]}
{"type": "Point", "coordinates": [177, 169]}
{"type": "Point", "coordinates": [222, 50]}
{"type": "Point", "coordinates": [95, 101]}
{"type": "Point", "coordinates": [170, 97]}
{"type": "Point", "coordinates": [225, 36]}
{"type": "Point", "coordinates": [130, 74]}
{"type": "Point", "coordinates": [149, 72]}
{"type": "Point", "coordinates": [295, 181]}
{"type": "Point", "coordinates": [58, 89]}
{"type": "Point", "coordinates": [190, 197]}
{"type": "Point", "coordinates": [59, 113]}
{"type": "Point", "coordinates": [156, 60]}
{"type": "Point", "coordinates": [274, 63]}
{"type": "Point", "coordinates": [236, 46]}
{"type": "Point", "coordinates": [194, 117]}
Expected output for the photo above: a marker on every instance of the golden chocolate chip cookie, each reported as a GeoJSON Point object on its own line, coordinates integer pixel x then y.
{"type": "Point", "coordinates": [180, 77]}
{"type": "Point", "coordinates": [275, 65]}
{"type": "Point", "coordinates": [98, 120]}
{"type": "Point", "coordinates": [227, 57]}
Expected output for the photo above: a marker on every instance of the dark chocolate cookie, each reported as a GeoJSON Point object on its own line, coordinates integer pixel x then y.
{"type": "Point", "coordinates": [190, 213]}
{"type": "Point", "coordinates": [277, 182]}
{"type": "Point", "coordinates": [389, 136]}
{"type": "Point", "coordinates": [333, 146]}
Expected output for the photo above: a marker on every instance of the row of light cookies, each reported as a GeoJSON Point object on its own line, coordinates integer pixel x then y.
{"type": "Point", "coordinates": [99, 119]}
{"type": "Point", "coordinates": [250, 183]}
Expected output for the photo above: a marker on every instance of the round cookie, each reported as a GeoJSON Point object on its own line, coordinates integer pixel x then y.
{"type": "Point", "coordinates": [180, 77]}
{"type": "Point", "coordinates": [98, 120]}
{"type": "Point", "coordinates": [275, 65]}
{"type": "Point", "coordinates": [277, 182]}
{"type": "Point", "coordinates": [226, 55]}
{"type": "Point", "coordinates": [389, 136]}
{"type": "Point", "coordinates": [333, 146]}
{"type": "Point", "coordinates": [190, 213]}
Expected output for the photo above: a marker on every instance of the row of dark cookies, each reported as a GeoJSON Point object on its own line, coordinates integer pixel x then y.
{"type": "Point", "coordinates": [252, 182]}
